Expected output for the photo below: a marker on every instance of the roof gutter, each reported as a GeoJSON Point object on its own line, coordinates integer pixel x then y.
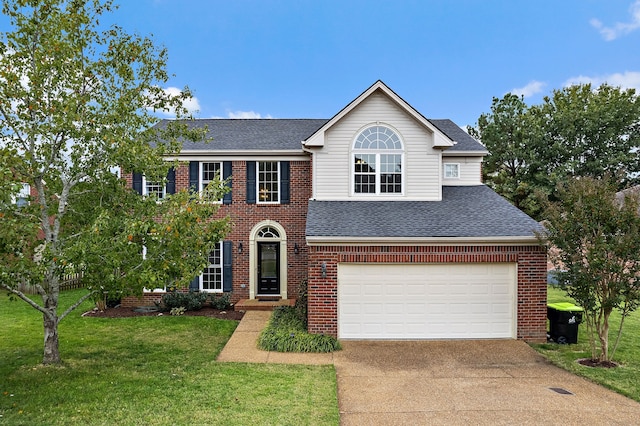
{"type": "Point", "coordinates": [421, 241]}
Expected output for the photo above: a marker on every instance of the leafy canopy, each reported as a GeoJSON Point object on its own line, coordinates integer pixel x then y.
{"type": "Point", "coordinates": [592, 237]}
{"type": "Point", "coordinates": [579, 131]}
{"type": "Point", "coordinates": [76, 100]}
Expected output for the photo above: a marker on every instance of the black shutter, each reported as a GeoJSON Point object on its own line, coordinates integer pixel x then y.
{"type": "Point", "coordinates": [251, 182]}
{"type": "Point", "coordinates": [284, 183]}
{"type": "Point", "coordinates": [194, 176]}
{"type": "Point", "coordinates": [226, 174]}
{"type": "Point", "coordinates": [171, 181]}
{"type": "Point", "coordinates": [137, 182]}
{"type": "Point", "coordinates": [194, 285]}
{"type": "Point", "coordinates": [227, 263]}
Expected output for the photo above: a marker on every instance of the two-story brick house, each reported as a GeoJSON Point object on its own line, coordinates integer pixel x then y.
{"type": "Point", "coordinates": [385, 214]}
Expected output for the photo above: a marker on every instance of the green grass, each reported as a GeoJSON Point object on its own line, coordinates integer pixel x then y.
{"type": "Point", "coordinates": [624, 379]}
{"type": "Point", "coordinates": [148, 370]}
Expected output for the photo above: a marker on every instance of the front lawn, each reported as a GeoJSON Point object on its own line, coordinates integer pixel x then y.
{"type": "Point", "coordinates": [624, 379]}
{"type": "Point", "coordinates": [148, 370]}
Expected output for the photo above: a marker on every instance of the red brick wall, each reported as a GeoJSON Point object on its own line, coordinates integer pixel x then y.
{"type": "Point", "coordinates": [292, 217]}
{"type": "Point", "coordinates": [532, 281]}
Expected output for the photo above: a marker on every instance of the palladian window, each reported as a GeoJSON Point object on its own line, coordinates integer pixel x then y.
{"type": "Point", "coordinates": [377, 161]}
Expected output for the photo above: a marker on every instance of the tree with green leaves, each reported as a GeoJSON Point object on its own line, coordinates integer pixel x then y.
{"type": "Point", "coordinates": [579, 131]}
{"type": "Point", "coordinates": [592, 239]}
{"type": "Point", "coordinates": [511, 134]}
{"type": "Point", "coordinates": [76, 100]}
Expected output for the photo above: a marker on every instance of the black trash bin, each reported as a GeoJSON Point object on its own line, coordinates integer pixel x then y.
{"type": "Point", "coordinates": [564, 319]}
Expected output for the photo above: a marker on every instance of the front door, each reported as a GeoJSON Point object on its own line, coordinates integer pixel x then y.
{"type": "Point", "coordinates": [268, 268]}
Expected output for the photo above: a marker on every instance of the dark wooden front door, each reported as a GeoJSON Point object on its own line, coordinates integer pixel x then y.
{"type": "Point", "coordinates": [268, 268]}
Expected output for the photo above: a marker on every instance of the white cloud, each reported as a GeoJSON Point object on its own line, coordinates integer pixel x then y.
{"type": "Point", "coordinates": [620, 28]}
{"type": "Point", "coordinates": [192, 104]}
{"type": "Point", "coordinates": [626, 80]}
{"type": "Point", "coordinates": [246, 114]}
{"type": "Point", "coordinates": [532, 88]}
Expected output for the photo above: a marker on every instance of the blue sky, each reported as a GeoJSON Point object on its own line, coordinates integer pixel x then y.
{"type": "Point", "coordinates": [447, 58]}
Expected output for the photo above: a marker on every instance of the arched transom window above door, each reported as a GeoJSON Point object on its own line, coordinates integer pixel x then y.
{"type": "Point", "coordinates": [268, 232]}
{"type": "Point", "coordinates": [377, 157]}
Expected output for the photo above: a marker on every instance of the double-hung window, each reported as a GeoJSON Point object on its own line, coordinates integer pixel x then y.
{"type": "Point", "coordinates": [154, 189]}
{"type": "Point", "coordinates": [451, 170]}
{"type": "Point", "coordinates": [377, 159]}
{"type": "Point", "coordinates": [268, 182]}
{"type": "Point", "coordinates": [212, 276]}
{"type": "Point", "coordinates": [208, 173]}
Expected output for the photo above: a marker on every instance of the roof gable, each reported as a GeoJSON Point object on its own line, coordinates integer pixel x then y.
{"type": "Point", "coordinates": [441, 139]}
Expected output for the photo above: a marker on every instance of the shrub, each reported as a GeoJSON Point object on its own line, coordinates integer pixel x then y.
{"type": "Point", "coordinates": [286, 332]}
{"type": "Point", "coordinates": [191, 301]}
{"type": "Point", "coordinates": [301, 302]}
{"type": "Point", "coordinates": [221, 301]}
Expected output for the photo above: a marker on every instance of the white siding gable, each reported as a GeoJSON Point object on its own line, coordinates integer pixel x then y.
{"type": "Point", "coordinates": [332, 163]}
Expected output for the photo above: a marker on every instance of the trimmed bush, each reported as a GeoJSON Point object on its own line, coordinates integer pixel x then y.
{"type": "Point", "coordinates": [286, 332]}
{"type": "Point", "coordinates": [191, 301]}
{"type": "Point", "coordinates": [221, 301]}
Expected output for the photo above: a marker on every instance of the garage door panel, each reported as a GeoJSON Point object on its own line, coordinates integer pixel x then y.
{"type": "Point", "coordinates": [432, 301]}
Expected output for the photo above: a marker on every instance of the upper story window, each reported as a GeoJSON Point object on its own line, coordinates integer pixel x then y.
{"type": "Point", "coordinates": [377, 161]}
{"type": "Point", "coordinates": [208, 173]}
{"type": "Point", "coordinates": [154, 189]}
{"type": "Point", "coordinates": [451, 170]}
{"type": "Point", "coordinates": [268, 182]}
{"type": "Point", "coordinates": [22, 197]}
{"type": "Point", "coordinates": [157, 189]}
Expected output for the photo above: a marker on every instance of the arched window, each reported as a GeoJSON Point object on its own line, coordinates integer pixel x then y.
{"type": "Point", "coordinates": [377, 161]}
{"type": "Point", "coordinates": [268, 232]}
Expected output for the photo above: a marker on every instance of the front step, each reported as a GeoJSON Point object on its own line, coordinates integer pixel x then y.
{"type": "Point", "coordinates": [262, 305]}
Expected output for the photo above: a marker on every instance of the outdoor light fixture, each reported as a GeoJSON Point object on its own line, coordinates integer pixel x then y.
{"type": "Point", "coordinates": [239, 247]}
{"type": "Point", "coordinates": [323, 267]}
{"type": "Point", "coordinates": [296, 249]}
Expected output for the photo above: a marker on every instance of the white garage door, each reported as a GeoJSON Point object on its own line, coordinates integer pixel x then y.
{"type": "Point", "coordinates": [434, 301]}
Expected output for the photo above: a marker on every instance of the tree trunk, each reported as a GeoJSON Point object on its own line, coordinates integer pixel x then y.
{"type": "Point", "coordinates": [603, 333]}
{"type": "Point", "coordinates": [51, 350]}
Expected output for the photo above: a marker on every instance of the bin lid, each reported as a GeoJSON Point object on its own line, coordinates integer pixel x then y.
{"type": "Point", "coordinates": [565, 307]}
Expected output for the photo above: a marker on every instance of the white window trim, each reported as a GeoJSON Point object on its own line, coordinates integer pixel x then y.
{"type": "Point", "coordinates": [377, 153]}
{"type": "Point", "coordinates": [144, 188]}
{"type": "Point", "coordinates": [23, 194]}
{"type": "Point", "coordinates": [221, 265]}
{"type": "Point", "coordinates": [444, 171]}
{"type": "Point", "coordinates": [201, 182]}
{"type": "Point", "coordinates": [258, 183]}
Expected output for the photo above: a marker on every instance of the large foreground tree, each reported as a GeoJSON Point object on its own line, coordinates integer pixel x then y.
{"type": "Point", "coordinates": [76, 100]}
{"type": "Point", "coordinates": [578, 131]}
{"type": "Point", "coordinates": [593, 240]}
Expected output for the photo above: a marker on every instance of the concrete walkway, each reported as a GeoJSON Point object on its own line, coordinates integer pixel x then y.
{"type": "Point", "coordinates": [242, 345]}
{"type": "Point", "coordinates": [492, 382]}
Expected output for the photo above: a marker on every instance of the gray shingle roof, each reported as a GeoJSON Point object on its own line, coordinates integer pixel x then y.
{"type": "Point", "coordinates": [465, 211]}
{"type": "Point", "coordinates": [253, 134]}
{"type": "Point", "coordinates": [284, 134]}
{"type": "Point", "coordinates": [464, 142]}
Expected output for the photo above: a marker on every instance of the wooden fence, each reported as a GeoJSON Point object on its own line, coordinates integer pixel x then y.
{"type": "Point", "coordinates": [69, 282]}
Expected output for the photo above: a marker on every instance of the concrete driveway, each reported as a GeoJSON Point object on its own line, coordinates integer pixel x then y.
{"type": "Point", "coordinates": [467, 382]}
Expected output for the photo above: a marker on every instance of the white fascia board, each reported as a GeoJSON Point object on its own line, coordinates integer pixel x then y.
{"type": "Point", "coordinates": [446, 153]}
{"type": "Point", "coordinates": [240, 155]}
{"type": "Point", "coordinates": [421, 241]}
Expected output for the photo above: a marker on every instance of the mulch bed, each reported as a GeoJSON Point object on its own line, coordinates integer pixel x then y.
{"type": "Point", "coordinates": [588, 362]}
{"type": "Point", "coordinates": [120, 312]}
